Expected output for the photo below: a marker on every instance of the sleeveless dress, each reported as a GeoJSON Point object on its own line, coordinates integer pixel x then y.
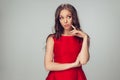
{"type": "Point", "coordinates": [66, 50]}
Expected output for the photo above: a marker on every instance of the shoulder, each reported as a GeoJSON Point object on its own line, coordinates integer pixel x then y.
{"type": "Point", "coordinates": [50, 38]}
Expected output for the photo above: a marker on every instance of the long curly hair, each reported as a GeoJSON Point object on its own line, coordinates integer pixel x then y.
{"type": "Point", "coordinates": [75, 22]}
{"type": "Point", "coordinates": [58, 29]}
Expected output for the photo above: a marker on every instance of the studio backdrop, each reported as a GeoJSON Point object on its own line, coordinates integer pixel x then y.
{"type": "Point", "coordinates": [25, 25]}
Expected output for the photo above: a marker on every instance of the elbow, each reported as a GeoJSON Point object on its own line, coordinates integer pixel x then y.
{"type": "Point", "coordinates": [47, 68]}
{"type": "Point", "coordinates": [48, 65]}
{"type": "Point", "coordinates": [83, 62]}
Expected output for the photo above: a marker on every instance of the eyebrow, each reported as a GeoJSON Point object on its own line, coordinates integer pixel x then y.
{"type": "Point", "coordinates": [66, 15]}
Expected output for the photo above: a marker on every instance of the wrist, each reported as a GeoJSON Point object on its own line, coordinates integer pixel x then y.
{"type": "Point", "coordinates": [85, 37]}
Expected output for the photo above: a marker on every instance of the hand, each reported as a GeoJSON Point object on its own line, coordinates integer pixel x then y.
{"type": "Point", "coordinates": [78, 33]}
{"type": "Point", "coordinates": [77, 63]}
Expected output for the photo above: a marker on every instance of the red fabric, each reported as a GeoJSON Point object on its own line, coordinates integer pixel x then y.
{"type": "Point", "coordinates": [66, 49]}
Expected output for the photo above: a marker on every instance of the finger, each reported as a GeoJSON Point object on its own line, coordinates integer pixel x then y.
{"type": "Point", "coordinates": [73, 27]}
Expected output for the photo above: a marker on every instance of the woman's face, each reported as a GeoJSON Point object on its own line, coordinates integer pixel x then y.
{"type": "Point", "coordinates": [66, 19]}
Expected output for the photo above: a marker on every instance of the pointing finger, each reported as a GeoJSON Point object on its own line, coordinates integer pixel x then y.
{"type": "Point", "coordinates": [73, 27]}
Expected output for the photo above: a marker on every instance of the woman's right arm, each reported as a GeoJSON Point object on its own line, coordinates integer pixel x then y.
{"type": "Point", "coordinates": [50, 65]}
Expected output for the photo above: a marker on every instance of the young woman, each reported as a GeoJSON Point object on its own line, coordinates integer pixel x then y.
{"type": "Point", "coordinates": [68, 48]}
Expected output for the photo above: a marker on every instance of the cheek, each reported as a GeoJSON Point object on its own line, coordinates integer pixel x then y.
{"type": "Point", "coordinates": [70, 21]}
{"type": "Point", "coordinates": [61, 22]}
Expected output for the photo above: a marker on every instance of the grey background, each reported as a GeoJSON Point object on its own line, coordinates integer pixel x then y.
{"type": "Point", "coordinates": [25, 24]}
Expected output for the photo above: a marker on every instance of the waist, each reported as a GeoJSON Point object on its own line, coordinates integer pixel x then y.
{"type": "Point", "coordinates": [65, 59]}
{"type": "Point", "coordinates": [70, 70]}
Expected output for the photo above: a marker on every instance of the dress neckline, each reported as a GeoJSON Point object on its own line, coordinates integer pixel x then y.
{"type": "Point", "coordinates": [67, 36]}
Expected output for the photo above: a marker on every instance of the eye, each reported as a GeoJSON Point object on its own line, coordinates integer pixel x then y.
{"type": "Point", "coordinates": [60, 17]}
{"type": "Point", "coordinates": [69, 17]}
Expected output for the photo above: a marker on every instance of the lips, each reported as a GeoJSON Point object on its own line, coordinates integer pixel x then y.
{"type": "Point", "coordinates": [66, 25]}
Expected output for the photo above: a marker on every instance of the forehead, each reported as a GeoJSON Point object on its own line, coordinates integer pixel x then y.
{"type": "Point", "coordinates": [65, 12]}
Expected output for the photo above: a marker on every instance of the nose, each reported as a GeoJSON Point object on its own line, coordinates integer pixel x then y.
{"type": "Point", "coordinates": [65, 20]}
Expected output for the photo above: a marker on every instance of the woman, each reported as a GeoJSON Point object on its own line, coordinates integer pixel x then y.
{"type": "Point", "coordinates": [68, 48]}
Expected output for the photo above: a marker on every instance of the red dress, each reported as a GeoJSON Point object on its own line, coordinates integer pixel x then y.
{"type": "Point", "coordinates": [66, 49]}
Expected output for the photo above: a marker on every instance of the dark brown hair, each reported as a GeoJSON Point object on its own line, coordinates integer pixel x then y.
{"type": "Point", "coordinates": [58, 28]}
{"type": "Point", "coordinates": [75, 21]}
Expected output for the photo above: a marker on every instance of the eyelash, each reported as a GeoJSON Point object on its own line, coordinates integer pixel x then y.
{"type": "Point", "coordinates": [61, 18]}
{"type": "Point", "coordinates": [67, 17]}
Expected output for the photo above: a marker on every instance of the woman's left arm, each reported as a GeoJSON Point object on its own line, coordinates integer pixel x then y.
{"type": "Point", "coordinates": [83, 56]}
{"type": "Point", "coordinates": [84, 53]}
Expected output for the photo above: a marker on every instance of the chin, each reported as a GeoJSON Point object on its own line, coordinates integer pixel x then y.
{"type": "Point", "coordinates": [67, 28]}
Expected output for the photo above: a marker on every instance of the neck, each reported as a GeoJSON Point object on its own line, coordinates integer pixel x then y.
{"type": "Point", "coordinates": [67, 33]}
